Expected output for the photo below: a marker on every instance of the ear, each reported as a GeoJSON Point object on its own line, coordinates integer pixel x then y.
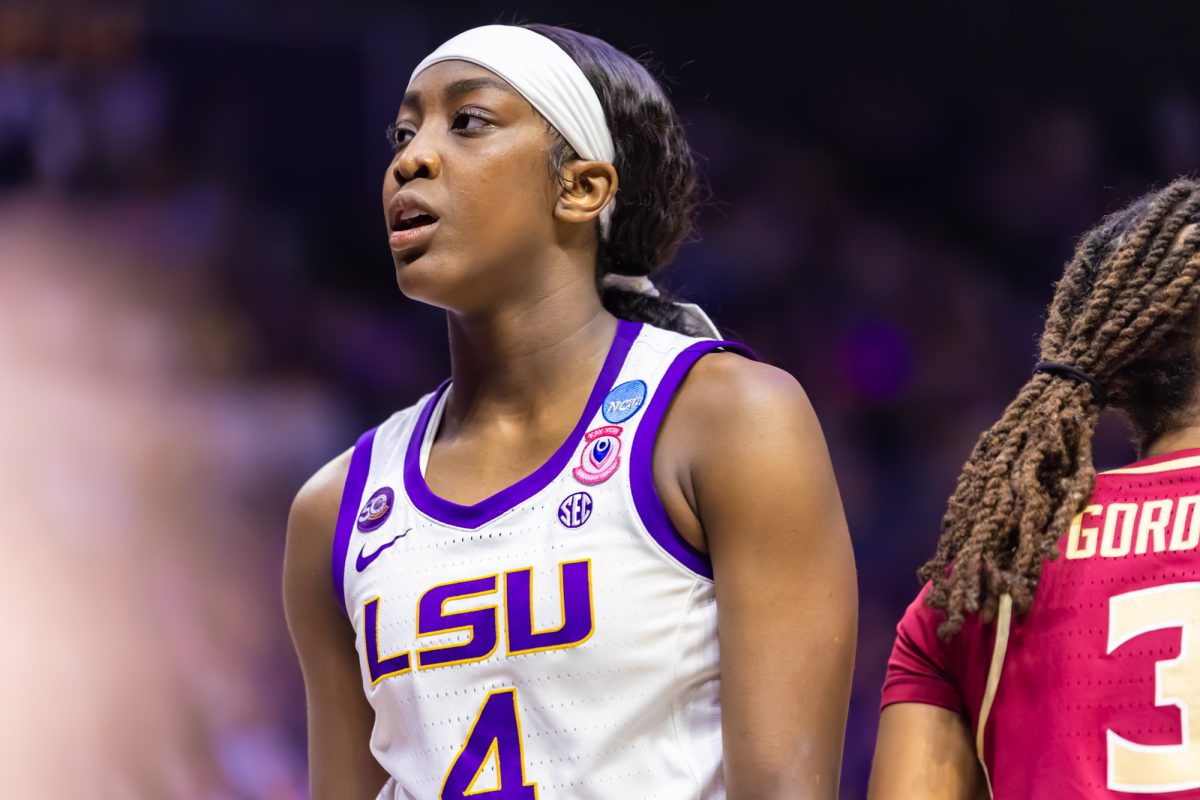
{"type": "Point", "coordinates": [588, 186]}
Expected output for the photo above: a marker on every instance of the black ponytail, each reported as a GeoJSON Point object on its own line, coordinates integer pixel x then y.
{"type": "Point", "coordinates": [659, 195]}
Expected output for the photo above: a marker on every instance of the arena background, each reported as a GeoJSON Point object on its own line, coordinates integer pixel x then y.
{"type": "Point", "coordinates": [197, 306]}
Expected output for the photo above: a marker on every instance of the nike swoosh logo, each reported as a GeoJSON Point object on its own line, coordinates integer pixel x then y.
{"type": "Point", "coordinates": [363, 561]}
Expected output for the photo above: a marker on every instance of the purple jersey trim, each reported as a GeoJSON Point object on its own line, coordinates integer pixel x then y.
{"type": "Point", "coordinates": [352, 492]}
{"type": "Point", "coordinates": [488, 509]}
{"type": "Point", "coordinates": [641, 460]}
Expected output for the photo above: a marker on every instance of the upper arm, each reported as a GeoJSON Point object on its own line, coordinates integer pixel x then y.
{"type": "Point", "coordinates": [764, 491]}
{"type": "Point", "coordinates": [339, 717]}
{"type": "Point", "coordinates": [924, 751]}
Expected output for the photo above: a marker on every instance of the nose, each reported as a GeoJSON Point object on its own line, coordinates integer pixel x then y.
{"type": "Point", "coordinates": [418, 159]}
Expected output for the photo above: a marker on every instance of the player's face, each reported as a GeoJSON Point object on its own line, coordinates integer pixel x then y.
{"type": "Point", "coordinates": [468, 197]}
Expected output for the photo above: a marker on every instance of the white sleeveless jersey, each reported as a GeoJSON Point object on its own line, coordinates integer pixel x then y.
{"type": "Point", "coordinates": [556, 640]}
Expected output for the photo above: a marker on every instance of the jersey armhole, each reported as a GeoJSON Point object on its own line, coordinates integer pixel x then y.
{"type": "Point", "coordinates": [352, 491]}
{"type": "Point", "coordinates": [646, 501]}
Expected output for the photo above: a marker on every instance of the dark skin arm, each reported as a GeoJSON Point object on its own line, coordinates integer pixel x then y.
{"type": "Point", "coordinates": [340, 719]}
{"type": "Point", "coordinates": [925, 752]}
{"type": "Point", "coordinates": [743, 471]}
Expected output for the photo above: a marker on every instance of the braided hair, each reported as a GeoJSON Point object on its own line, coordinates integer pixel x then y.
{"type": "Point", "coordinates": [660, 187]}
{"type": "Point", "coordinates": [1125, 313]}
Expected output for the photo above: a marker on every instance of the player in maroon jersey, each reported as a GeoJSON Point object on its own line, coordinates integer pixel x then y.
{"type": "Point", "coordinates": [1091, 688]}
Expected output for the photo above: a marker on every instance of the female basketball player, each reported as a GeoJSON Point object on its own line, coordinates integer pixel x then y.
{"type": "Point", "coordinates": [527, 564]}
{"type": "Point", "coordinates": [1056, 643]}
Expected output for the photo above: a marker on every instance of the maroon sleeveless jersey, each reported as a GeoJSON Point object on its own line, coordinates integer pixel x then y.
{"type": "Point", "coordinates": [1096, 691]}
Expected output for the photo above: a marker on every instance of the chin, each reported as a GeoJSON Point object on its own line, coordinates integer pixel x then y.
{"type": "Point", "coordinates": [427, 279]}
{"type": "Point", "coordinates": [415, 282]}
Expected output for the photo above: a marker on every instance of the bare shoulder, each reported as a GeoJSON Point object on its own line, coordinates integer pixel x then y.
{"type": "Point", "coordinates": [308, 553]}
{"type": "Point", "coordinates": [729, 396]}
{"type": "Point", "coordinates": [317, 502]}
{"type": "Point", "coordinates": [741, 429]}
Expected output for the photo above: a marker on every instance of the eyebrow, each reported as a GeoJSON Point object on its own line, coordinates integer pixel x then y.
{"type": "Point", "coordinates": [457, 89]}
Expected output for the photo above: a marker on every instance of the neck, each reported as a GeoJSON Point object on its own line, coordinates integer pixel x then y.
{"type": "Point", "coordinates": [1184, 438]}
{"type": "Point", "coordinates": [514, 360]}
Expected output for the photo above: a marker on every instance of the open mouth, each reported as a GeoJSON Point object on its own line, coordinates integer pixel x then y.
{"type": "Point", "coordinates": [412, 218]}
{"type": "Point", "coordinates": [411, 231]}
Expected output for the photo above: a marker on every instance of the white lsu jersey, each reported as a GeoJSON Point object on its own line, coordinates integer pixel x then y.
{"type": "Point", "coordinates": [555, 640]}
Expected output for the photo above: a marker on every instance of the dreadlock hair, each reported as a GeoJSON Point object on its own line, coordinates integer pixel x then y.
{"type": "Point", "coordinates": [1125, 313]}
{"type": "Point", "coordinates": [660, 188]}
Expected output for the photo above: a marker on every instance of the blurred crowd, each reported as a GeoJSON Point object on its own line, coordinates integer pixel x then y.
{"type": "Point", "coordinates": [197, 309]}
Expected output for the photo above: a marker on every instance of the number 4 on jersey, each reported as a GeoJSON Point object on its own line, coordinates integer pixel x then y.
{"type": "Point", "coordinates": [495, 741]}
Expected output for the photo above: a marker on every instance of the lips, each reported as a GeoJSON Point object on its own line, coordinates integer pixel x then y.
{"type": "Point", "coordinates": [411, 221]}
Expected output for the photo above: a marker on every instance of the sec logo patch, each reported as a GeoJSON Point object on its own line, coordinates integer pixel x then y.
{"type": "Point", "coordinates": [575, 510]}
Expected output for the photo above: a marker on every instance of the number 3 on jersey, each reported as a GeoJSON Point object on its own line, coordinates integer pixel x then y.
{"type": "Point", "coordinates": [1151, 769]}
{"type": "Point", "coordinates": [494, 741]}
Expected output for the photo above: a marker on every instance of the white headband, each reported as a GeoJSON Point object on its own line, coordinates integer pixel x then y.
{"type": "Point", "coordinates": [547, 77]}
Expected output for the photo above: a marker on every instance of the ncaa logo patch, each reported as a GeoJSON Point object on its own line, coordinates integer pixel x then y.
{"type": "Point", "coordinates": [377, 510]}
{"type": "Point", "coordinates": [624, 401]}
{"type": "Point", "coordinates": [601, 455]}
{"type": "Point", "coordinates": [575, 510]}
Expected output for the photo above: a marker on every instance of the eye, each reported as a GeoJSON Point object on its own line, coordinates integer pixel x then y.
{"type": "Point", "coordinates": [470, 119]}
{"type": "Point", "coordinates": [398, 135]}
